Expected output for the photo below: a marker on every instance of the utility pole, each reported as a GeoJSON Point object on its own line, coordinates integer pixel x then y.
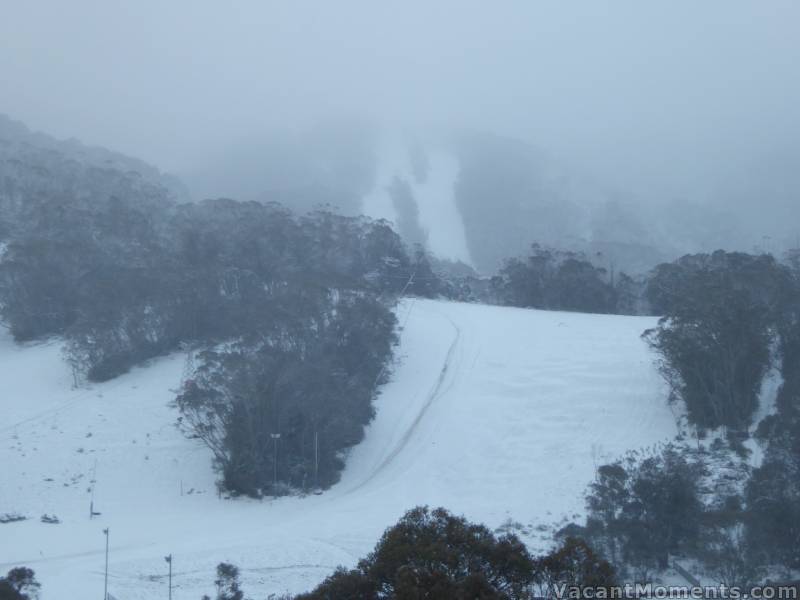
{"type": "Point", "coordinates": [105, 585]}
{"type": "Point", "coordinates": [169, 562]}
{"type": "Point", "coordinates": [275, 437]}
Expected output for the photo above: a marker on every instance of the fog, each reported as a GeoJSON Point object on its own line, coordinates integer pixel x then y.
{"type": "Point", "coordinates": [678, 100]}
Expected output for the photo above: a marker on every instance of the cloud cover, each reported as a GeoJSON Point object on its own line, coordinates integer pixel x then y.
{"type": "Point", "coordinates": [664, 98]}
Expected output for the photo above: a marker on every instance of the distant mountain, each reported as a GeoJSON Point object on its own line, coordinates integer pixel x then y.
{"type": "Point", "coordinates": [331, 163]}
{"type": "Point", "coordinates": [17, 141]}
{"type": "Point", "coordinates": [480, 198]}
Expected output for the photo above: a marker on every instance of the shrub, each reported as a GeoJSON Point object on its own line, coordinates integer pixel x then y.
{"type": "Point", "coordinates": [722, 313]}
{"type": "Point", "coordinates": [553, 280]}
{"type": "Point", "coordinates": [19, 584]}
{"type": "Point", "coordinates": [643, 509]}
{"type": "Point", "coordinates": [433, 554]}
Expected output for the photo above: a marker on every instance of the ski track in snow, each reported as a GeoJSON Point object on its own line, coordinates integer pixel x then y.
{"type": "Point", "coordinates": [495, 413]}
{"type": "Point", "coordinates": [431, 398]}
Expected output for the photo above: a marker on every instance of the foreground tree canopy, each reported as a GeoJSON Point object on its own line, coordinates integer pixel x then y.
{"type": "Point", "coordinates": [434, 554]}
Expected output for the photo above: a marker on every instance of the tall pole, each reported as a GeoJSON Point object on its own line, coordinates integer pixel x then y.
{"type": "Point", "coordinates": [316, 460]}
{"type": "Point", "coordinates": [105, 585]}
{"type": "Point", "coordinates": [275, 437]}
{"type": "Point", "coordinates": [94, 483]}
{"type": "Point", "coordinates": [169, 562]}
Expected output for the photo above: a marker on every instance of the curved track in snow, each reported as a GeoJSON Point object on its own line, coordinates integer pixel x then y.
{"type": "Point", "coordinates": [435, 392]}
{"type": "Point", "coordinates": [495, 413]}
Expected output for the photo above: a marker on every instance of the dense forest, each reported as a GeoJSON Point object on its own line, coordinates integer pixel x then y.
{"type": "Point", "coordinates": [289, 315]}
{"type": "Point", "coordinates": [553, 279]}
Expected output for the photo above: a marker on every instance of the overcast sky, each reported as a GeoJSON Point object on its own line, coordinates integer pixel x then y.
{"type": "Point", "coordinates": [674, 95]}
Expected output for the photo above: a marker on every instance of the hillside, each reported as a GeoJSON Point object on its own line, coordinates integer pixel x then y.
{"type": "Point", "coordinates": [45, 156]}
{"type": "Point", "coordinates": [496, 413]}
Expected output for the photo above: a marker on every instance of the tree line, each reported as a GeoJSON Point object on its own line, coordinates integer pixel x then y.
{"type": "Point", "coordinates": [729, 319]}
{"type": "Point", "coordinates": [553, 279]}
{"type": "Point", "coordinates": [290, 315]}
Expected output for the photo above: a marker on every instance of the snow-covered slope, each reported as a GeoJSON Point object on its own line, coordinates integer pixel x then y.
{"type": "Point", "coordinates": [434, 196]}
{"type": "Point", "coordinates": [495, 413]}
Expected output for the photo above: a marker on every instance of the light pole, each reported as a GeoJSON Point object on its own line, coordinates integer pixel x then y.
{"type": "Point", "coordinates": [92, 513]}
{"type": "Point", "coordinates": [275, 437]}
{"type": "Point", "coordinates": [105, 584]}
{"type": "Point", "coordinates": [169, 562]}
{"type": "Point", "coordinates": [316, 461]}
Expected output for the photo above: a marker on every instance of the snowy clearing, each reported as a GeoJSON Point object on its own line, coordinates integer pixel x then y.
{"type": "Point", "coordinates": [494, 413]}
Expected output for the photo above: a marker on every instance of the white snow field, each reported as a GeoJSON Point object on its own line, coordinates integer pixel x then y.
{"type": "Point", "coordinates": [495, 413]}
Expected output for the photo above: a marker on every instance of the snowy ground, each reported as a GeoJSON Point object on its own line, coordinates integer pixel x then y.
{"type": "Point", "coordinates": [494, 413]}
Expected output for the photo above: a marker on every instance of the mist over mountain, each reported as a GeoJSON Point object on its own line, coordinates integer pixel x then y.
{"type": "Point", "coordinates": [663, 128]}
{"type": "Point", "coordinates": [472, 197]}
{"type": "Point", "coordinates": [479, 198]}
{"type": "Point", "coordinates": [18, 141]}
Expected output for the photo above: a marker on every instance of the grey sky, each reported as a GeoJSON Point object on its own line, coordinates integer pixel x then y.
{"type": "Point", "coordinates": [669, 96]}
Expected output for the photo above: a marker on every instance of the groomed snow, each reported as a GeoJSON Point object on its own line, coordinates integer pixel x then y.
{"type": "Point", "coordinates": [494, 413]}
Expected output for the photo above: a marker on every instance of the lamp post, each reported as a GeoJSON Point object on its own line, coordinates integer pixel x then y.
{"type": "Point", "coordinates": [275, 437]}
{"type": "Point", "coordinates": [105, 584]}
{"type": "Point", "coordinates": [169, 562]}
{"type": "Point", "coordinates": [316, 461]}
